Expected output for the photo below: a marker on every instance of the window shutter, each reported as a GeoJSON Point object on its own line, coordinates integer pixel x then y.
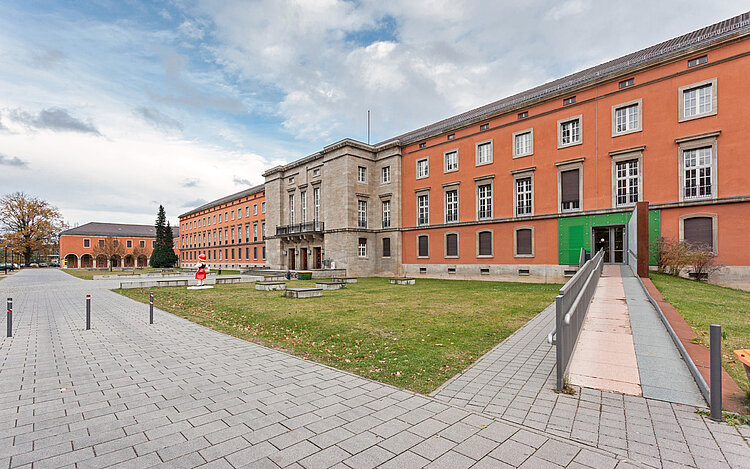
{"type": "Point", "coordinates": [523, 241]}
{"type": "Point", "coordinates": [569, 181]}
{"type": "Point", "coordinates": [699, 231]}
{"type": "Point", "coordinates": [451, 244]}
{"type": "Point", "coordinates": [386, 247]}
{"type": "Point", "coordinates": [485, 243]}
{"type": "Point", "coordinates": [423, 246]}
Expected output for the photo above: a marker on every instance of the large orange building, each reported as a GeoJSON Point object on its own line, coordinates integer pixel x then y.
{"type": "Point", "coordinates": [514, 189]}
{"type": "Point", "coordinates": [230, 231]}
{"type": "Point", "coordinates": [78, 246]}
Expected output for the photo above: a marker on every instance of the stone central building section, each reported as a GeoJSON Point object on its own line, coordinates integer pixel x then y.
{"type": "Point", "coordinates": [338, 208]}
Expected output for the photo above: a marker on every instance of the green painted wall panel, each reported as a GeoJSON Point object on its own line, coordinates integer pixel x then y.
{"type": "Point", "coordinates": [654, 231]}
{"type": "Point", "coordinates": [575, 233]}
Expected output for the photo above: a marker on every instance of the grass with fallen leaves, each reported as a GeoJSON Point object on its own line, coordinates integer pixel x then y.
{"type": "Point", "coordinates": [411, 336]}
{"type": "Point", "coordinates": [703, 304]}
{"type": "Point", "coordinates": [86, 274]}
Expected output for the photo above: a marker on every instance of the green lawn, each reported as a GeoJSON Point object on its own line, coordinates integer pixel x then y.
{"type": "Point", "coordinates": [415, 337]}
{"type": "Point", "coordinates": [702, 304]}
{"type": "Point", "coordinates": [89, 274]}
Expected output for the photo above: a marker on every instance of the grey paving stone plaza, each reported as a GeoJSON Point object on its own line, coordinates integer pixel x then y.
{"type": "Point", "coordinates": [175, 394]}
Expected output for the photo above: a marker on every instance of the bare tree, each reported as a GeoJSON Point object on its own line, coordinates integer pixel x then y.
{"type": "Point", "coordinates": [111, 248]}
{"type": "Point", "coordinates": [30, 224]}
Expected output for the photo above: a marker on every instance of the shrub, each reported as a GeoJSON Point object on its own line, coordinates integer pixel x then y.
{"type": "Point", "coordinates": [703, 262]}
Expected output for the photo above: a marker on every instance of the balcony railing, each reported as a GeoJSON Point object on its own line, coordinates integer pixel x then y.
{"type": "Point", "coordinates": [307, 227]}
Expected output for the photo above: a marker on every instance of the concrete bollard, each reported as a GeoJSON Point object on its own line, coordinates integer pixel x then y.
{"type": "Point", "coordinates": [88, 312]}
{"type": "Point", "coordinates": [10, 317]}
{"type": "Point", "coordinates": [715, 372]}
{"type": "Point", "coordinates": [151, 308]}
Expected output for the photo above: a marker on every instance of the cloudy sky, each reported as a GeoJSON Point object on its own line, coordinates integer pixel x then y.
{"type": "Point", "coordinates": [110, 107]}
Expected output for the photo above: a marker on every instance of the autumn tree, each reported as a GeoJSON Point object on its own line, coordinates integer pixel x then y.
{"type": "Point", "coordinates": [111, 248]}
{"type": "Point", "coordinates": [30, 224]}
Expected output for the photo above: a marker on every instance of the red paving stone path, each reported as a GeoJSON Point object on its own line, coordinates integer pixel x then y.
{"type": "Point", "coordinates": [732, 395]}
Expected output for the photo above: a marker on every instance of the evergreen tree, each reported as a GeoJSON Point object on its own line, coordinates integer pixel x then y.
{"type": "Point", "coordinates": [163, 254]}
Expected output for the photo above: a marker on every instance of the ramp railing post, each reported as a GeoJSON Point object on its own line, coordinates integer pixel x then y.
{"type": "Point", "coordinates": [151, 308]}
{"type": "Point", "coordinates": [715, 372]}
{"type": "Point", "coordinates": [88, 312]}
{"type": "Point", "coordinates": [10, 317]}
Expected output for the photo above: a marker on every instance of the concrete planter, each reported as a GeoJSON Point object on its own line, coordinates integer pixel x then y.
{"type": "Point", "coordinates": [303, 292]}
{"type": "Point", "coordinates": [269, 286]}
{"type": "Point", "coordinates": [402, 281]}
{"type": "Point", "coordinates": [330, 285]}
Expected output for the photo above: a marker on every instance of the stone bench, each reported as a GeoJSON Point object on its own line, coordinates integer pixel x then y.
{"type": "Point", "coordinates": [172, 283]}
{"type": "Point", "coordinates": [223, 280]}
{"type": "Point", "coordinates": [269, 286]}
{"type": "Point", "coordinates": [273, 278]}
{"type": "Point", "coordinates": [330, 285]}
{"type": "Point", "coordinates": [402, 281]}
{"type": "Point", "coordinates": [303, 292]}
{"type": "Point", "coordinates": [344, 279]}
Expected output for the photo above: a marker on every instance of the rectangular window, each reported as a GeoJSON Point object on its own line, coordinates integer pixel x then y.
{"type": "Point", "coordinates": [362, 247]}
{"type": "Point", "coordinates": [698, 101]}
{"type": "Point", "coordinates": [232, 214]}
{"type": "Point", "coordinates": [484, 198]}
{"type": "Point", "coordinates": [423, 144]}
{"type": "Point", "coordinates": [386, 174]}
{"type": "Point", "coordinates": [484, 127]}
{"type": "Point", "coordinates": [423, 246]}
{"type": "Point", "coordinates": [264, 252]}
{"type": "Point", "coordinates": [239, 213]}
{"type": "Point", "coordinates": [316, 204]}
{"type": "Point", "coordinates": [523, 115]}
{"type": "Point", "coordinates": [523, 196]}
{"type": "Point", "coordinates": [255, 209]}
{"type": "Point", "coordinates": [142, 244]}
{"type": "Point", "coordinates": [255, 232]}
{"type": "Point", "coordinates": [220, 218]}
{"type": "Point", "coordinates": [386, 247]}
{"type": "Point", "coordinates": [451, 136]}
{"type": "Point", "coordinates": [232, 236]}
{"type": "Point", "coordinates": [423, 169]}
{"type": "Point", "coordinates": [255, 252]}
{"type": "Point", "coordinates": [627, 118]}
{"type": "Point", "coordinates": [291, 209]}
{"type": "Point", "coordinates": [423, 209]}
{"type": "Point", "coordinates": [569, 190]}
{"type": "Point", "coordinates": [362, 214]}
{"type": "Point", "coordinates": [570, 132]}
{"type": "Point", "coordinates": [153, 244]}
{"type": "Point", "coordinates": [697, 167]}
{"type": "Point", "coordinates": [101, 243]}
{"type": "Point", "coordinates": [263, 207]}
{"type": "Point", "coordinates": [361, 174]}
{"type": "Point", "coordinates": [451, 161]}
{"type": "Point", "coordinates": [626, 83]}
{"type": "Point", "coordinates": [484, 153]}
{"type": "Point", "coordinates": [129, 243]}
{"type": "Point", "coordinates": [698, 231]}
{"type": "Point", "coordinates": [303, 206]}
{"type": "Point", "coordinates": [626, 173]}
{"type": "Point", "coordinates": [569, 100]}
{"type": "Point", "coordinates": [87, 243]}
{"type": "Point", "coordinates": [484, 243]}
{"type": "Point", "coordinates": [523, 143]}
{"type": "Point", "coordinates": [247, 233]}
{"type": "Point", "coordinates": [386, 214]}
{"type": "Point", "coordinates": [697, 61]}
{"type": "Point", "coordinates": [451, 245]}
{"type": "Point", "coordinates": [524, 242]}
{"type": "Point", "coordinates": [263, 230]}
{"type": "Point", "coordinates": [247, 211]}
{"type": "Point", "coordinates": [239, 254]}
{"type": "Point", "coordinates": [451, 206]}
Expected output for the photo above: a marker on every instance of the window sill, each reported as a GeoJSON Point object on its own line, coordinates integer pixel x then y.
{"type": "Point", "coordinates": [566, 145]}
{"type": "Point", "coordinates": [422, 177]}
{"type": "Point", "coordinates": [450, 171]}
{"type": "Point", "coordinates": [450, 257]}
{"type": "Point", "coordinates": [485, 256]}
{"type": "Point", "coordinates": [523, 156]}
{"type": "Point", "coordinates": [423, 257]}
{"type": "Point", "coordinates": [626, 132]}
{"type": "Point", "coordinates": [524, 255]}
{"type": "Point", "coordinates": [697, 116]}
{"type": "Point", "coordinates": [485, 163]}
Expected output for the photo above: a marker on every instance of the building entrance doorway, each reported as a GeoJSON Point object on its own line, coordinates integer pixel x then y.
{"type": "Point", "coordinates": [612, 240]}
{"type": "Point", "coordinates": [303, 258]}
{"type": "Point", "coordinates": [317, 259]}
{"type": "Point", "coordinates": [292, 258]}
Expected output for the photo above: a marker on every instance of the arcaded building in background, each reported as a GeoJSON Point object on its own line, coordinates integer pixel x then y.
{"type": "Point", "coordinates": [514, 189]}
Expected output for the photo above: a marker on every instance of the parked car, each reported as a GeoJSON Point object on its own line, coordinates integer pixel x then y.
{"type": "Point", "coordinates": [54, 264]}
{"type": "Point", "coordinates": [33, 264]}
{"type": "Point", "coordinates": [42, 264]}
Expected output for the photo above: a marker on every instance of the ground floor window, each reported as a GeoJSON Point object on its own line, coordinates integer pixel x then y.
{"type": "Point", "coordinates": [484, 243]}
{"type": "Point", "coordinates": [524, 242]}
{"type": "Point", "coordinates": [451, 245]}
{"type": "Point", "coordinates": [255, 252]}
{"type": "Point", "coordinates": [699, 231]}
{"type": "Point", "coordinates": [386, 247]}
{"type": "Point", "coordinates": [362, 247]}
{"type": "Point", "coordinates": [423, 246]}
{"type": "Point", "coordinates": [264, 248]}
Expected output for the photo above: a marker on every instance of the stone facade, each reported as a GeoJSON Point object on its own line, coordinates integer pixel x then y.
{"type": "Point", "coordinates": [344, 177]}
